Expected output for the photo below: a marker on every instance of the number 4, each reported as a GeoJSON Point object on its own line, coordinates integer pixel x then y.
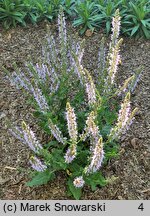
{"type": "Point", "coordinates": [141, 207]}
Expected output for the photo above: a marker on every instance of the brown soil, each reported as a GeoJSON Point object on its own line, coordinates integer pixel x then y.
{"type": "Point", "coordinates": [130, 171]}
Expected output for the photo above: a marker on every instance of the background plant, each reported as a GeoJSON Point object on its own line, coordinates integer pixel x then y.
{"type": "Point", "coordinates": [107, 10]}
{"type": "Point", "coordinates": [11, 13]}
{"type": "Point", "coordinates": [44, 10]}
{"type": "Point", "coordinates": [68, 6]}
{"type": "Point", "coordinates": [136, 20]}
{"type": "Point", "coordinates": [30, 10]}
{"type": "Point", "coordinates": [87, 15]}
{"type": "Point", "coordinates": [79, 115]}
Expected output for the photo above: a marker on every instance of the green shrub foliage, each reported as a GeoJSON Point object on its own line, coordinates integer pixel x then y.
{"type": "Point", "coordinates": [135, 14]}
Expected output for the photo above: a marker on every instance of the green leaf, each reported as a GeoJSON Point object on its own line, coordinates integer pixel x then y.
{"type": "Point", "coordinates": [108, 27]}
{"type": "Point", "coordinates": [143, 22]}
{"type": "Point", "coordinates": [146, 22]}
{"type": "Point", "coordinates": [49, 17]}
{"type": "Point", "coordinates": [19, 19]}
{"type": "Point", "coordinates": [83, 30]}
{"type": "Point", "coordinates": [146, 32]}
{"type": "Point", "coordinates": [106, 130]}
{"type": "Point", "coordinates": [75, 169]}
{"type": "Point", "coordinates": [76, 192]}
{"type": "Point", "coordinates": [41, 178]}
{"type": "Point", "coordinates": [2, 10]}
{"type": "Point", "coordinates": [60, 164]}
{"type": "Point", "coordinates": [130, 16]}
{"type": "Point", "coordinates": [40, 7]}
{"type": "Point", "coordinates": [52, 143]}
{"type": "Point", "coordinates": [126, 22]}
{"type": "Point", "coordinates": [90, 26]}
{"type": "Point", "coordinates": [77, 22]}
{"type": "Point", "coordinates": [95, 179]}
{"type": "Point", "coordinates": [134, 30]}
{"type": "Point", "coordinates": [18, 14]}
{"type": "Point", "coordinates": [33, 17]}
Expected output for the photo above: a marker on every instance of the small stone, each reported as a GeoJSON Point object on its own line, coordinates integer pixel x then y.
{"type": "Point", "coordinates": [9, 36]}
{"type": "Point", "coordinates": [88, 33]}
{"type": "Point", "coordinates": [2, 115]}
{"type": "Point", "coordinates": [145, 153]}
{"type": "Point", "coordinates": [120, 198]}
{"type": "Point", "coordinates": [142, 45]}
{"type": "Point", "coordinates": [134, 142]}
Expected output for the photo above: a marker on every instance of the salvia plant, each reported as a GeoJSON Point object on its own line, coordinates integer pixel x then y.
{"type": "Point", "coordinates": [80, 114]}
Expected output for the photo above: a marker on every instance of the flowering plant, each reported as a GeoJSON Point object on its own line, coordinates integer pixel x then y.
{"type": "Point", "coordinates": [77, 112]}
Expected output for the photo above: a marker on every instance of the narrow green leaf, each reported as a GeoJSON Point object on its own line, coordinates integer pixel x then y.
{"type": "Point", "coordinates": [108, 27]}
{"type": "Point", "coordinates": [143, 22]}
{"type": "Point", "coordinates": [134, 30]}
{"type": "Point", "coordinates": [146, 32]}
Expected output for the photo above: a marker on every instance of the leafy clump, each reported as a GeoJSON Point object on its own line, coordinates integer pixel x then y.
{"type": "Point", "coordinates": [87, 14]}
{"type": "Point", "coordinates": [80, 115]}
{"type": "Point", "coordinates": [136, 20]}
{"type": "Point", "coordinates": [11, 13]}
